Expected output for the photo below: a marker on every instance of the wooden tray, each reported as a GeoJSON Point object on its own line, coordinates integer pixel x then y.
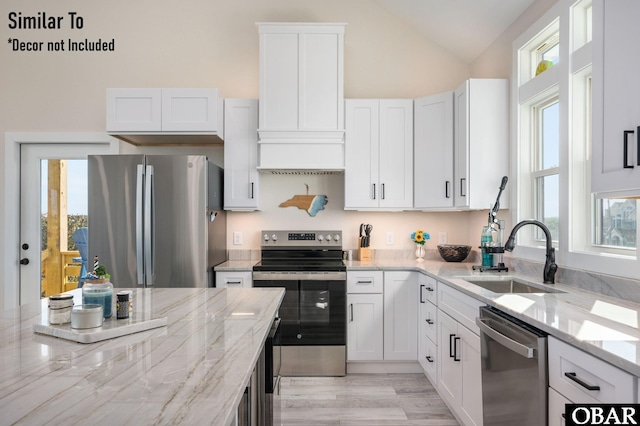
{"type": "Point", "coordinates": [111, 328]}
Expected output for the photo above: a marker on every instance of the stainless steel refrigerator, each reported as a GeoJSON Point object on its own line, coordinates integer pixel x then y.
{"type": "Point", "coordinates": [156, 220]}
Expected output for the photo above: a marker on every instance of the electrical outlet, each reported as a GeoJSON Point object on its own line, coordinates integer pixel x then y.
{"type": "Point", "coordinates": [237, 238]}
{"type": "Point", "coordinates": [442, 238]}
{"type": "Point", "coordinates": [389, 238]}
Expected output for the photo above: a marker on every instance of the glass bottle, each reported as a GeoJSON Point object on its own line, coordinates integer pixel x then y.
{"type": "Point", "coordinates": [99, 292]}
{"type": "Point", "coordinates": [486, 240]}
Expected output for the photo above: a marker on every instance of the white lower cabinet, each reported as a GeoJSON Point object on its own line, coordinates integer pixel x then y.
{"type": "Point", "coordinates": [427, 327]}
{"type": "Point", "coordinates": [365, 313]}
{"type": "Point", "coordinates": [235, 279]}
{"type": "Point", "coordinates": [382, 316]}
{"type": "Point", "coordinates": [460, 376]}
{"type": "Point", "coordinates": [557, 408]}
{"type": "Point", "coordinates": [459, 368]}
{"type": "Point", "coordinates": [579, 377]}
{"type": "Point", "coordinates": [400, 316]}
{"type": "Point", "coordinates": [364, 327]}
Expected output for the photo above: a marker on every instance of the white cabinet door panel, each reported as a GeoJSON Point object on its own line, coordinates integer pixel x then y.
{"type": "Point", "coordinates": [364, 327]}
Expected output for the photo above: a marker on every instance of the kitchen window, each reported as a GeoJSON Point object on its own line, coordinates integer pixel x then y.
{"type": "Point", "coordinates": [546, 168]}
{"type": "Point", "coordinates": [552, 151]}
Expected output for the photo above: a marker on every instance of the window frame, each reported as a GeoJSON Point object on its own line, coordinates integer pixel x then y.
{"type": "Point", "coordinates": [574, 248]}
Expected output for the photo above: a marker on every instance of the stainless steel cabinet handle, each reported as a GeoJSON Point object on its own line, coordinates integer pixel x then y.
{"type": "Point", "coordinates": [574, 377]}
{"type": "Point", "coordinates": [139, 224]}
{"type": "Point", "coordinates": [374, 191]}
{"type": "Point", "coordinates": [365, 282]}
{"type": "Point", "coordinates": [429, 288]}
{"type": "Point", "coordinates": [382, 191]}
{"type": "Point", "coordinates": [149, 225]}
{"type": "Point", "coordinates": [234, 282]}
{"type": "Point", "coordinates": [446, 189]}
{"type": "Point", "coordinates": [625, 150]}
{"type": "Point", "coordinates": [429, 358]}
{"type": "Point", "coordinates": [421, 287]}
{"type": "Point", "coordinates": [462, 188]}
{"type": "Point", "coordinates": [428, 320]}
{"type": "Point", "coordinates": [351, 310]}
{"type": "Point", "coordinates": [517, 347]}
{"type": "Point", "coordinates": [252, 190]}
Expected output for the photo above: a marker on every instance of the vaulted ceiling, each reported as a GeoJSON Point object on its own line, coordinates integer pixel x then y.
{"type": "Point", "coordinates": [464, 27]}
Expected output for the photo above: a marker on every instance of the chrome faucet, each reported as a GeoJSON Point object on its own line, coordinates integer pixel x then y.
{"type": "Point", "coordinates": [550, 266]}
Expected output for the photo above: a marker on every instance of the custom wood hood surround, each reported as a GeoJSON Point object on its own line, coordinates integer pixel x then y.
{"type": "Point", "coordinates": [301, 107]}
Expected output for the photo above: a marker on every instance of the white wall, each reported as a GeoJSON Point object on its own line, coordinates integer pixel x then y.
{"type": "Point", "coordinates": [214, 43]}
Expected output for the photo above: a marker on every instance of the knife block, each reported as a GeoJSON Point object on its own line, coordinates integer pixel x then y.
{"type": "Point", "coordinates": [364, 253]}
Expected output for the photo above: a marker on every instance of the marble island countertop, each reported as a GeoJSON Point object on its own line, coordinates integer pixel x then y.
{"type": "Point", "coordinates": [193, 371]}
{"type": "Point", "coordinates": [605, 326]}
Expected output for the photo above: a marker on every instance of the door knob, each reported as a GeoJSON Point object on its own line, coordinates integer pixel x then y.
{"type": "Point", "coordinates": [24, 261]}
{"type": "Point", "coordinates": [25, 246]}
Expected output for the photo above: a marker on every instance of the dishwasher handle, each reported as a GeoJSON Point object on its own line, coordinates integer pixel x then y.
{"type": "Point", "coordinates": [517, 347]}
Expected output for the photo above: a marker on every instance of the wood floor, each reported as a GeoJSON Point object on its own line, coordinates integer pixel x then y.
{"type": "Point", "coordinates": [362, 399]}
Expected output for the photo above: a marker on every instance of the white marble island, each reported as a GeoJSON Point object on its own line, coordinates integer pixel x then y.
{"type": "Point", "coordinates": [193, 371]}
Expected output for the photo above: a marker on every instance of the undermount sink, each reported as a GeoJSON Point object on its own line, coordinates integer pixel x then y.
{"type": "Point", "coordinates": [511, 285]}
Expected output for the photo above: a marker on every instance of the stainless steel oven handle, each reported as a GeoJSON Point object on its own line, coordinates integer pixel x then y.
{"type": "Point", "coordinates": [517, 347]}
{"type": "Point", "coordinates": [298, 276]}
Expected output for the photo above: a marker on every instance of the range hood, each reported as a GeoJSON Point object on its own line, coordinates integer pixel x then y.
{"type": "Point", "coordinates": [167, 116]}
{"type": "Point", "coordinates": [301, 105]}
{"type": "Point", "coordinates": [301, 150]}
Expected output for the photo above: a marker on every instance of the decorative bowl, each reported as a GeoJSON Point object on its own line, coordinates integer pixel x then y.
{"type": "Point", "coordinates": [454, 252]}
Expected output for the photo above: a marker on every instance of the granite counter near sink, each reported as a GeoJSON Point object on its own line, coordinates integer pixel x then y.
{"type": "Point", "coordinates": [193, 371]}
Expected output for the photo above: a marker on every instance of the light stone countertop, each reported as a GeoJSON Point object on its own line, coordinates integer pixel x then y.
{"type": "Point", "coordinates": [605, 326]}
{"type": "Point", "coordinates": [193, 371]}
{"type": "Point", "coordinates": [236, 265]}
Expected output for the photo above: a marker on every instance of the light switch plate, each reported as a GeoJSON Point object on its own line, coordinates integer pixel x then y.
{"type": "Point", "coordinates": [442, 238]}
{"type": "Point", "coordinates": [237, 238]}
{"type": "Point", "coordinates": [389, 238]}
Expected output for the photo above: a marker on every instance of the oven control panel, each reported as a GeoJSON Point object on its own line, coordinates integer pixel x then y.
{"type": "Point", "coordinates": [302, 238]}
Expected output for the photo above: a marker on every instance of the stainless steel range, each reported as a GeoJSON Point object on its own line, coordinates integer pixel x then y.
{"type": "Point", "coordinates": [308, 264]}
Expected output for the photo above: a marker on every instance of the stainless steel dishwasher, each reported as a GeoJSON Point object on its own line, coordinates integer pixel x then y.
{"type": "Point", "coordinates": [514, 370]}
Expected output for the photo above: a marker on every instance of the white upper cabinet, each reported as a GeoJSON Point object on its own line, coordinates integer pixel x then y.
{"type": "Point", "coordinates": [433, 152]}
{"type": "Point", "coordinates": [481, 142]}
{"type": "Point", "coordinates": [379, 154]}
{"type": "Point", "coordinates": [134, 110]}
{"type": "Point", "coordinates": [301, 122]}
{"type": "Point", "coordinates": [615, 164]}
{"type": "Point", "coordinates": [241, 178]}
{"type": "Point", "coordinates": [157, 112]}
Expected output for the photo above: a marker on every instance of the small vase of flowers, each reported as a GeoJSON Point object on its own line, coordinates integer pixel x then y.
{"type": "Point", "coordinates": [420, 238]}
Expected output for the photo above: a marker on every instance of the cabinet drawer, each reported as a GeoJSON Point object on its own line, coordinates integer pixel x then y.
{"type": "Point", "coordinates": [568, 366]}
{"type": "Point", "coordinates": [233, 279]}
{"type": "Point", "coordinates": [556, 408]}
{"type": "Point", "coordinates": [429, 362]}
{"type": "Point", "coordinates": [429, 321]}
{"type": "Point", "coordinates": [463, 308]}
{"type": "Point", "coordinates": [428, 289]}
{"type": "Point", "coordinates": [365, 282]}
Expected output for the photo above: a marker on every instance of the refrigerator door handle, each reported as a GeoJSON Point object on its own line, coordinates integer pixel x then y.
{"type": "Point", "coordinates": [139, 222]}
{"type": "Point", "coordinates": [148, 226]}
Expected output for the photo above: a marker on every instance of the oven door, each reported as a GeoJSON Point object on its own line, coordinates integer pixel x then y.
{"type": "Point", "coordinates": [314, 308]}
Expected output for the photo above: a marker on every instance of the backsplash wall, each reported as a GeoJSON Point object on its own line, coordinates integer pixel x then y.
{"type": "Point", "coordinates": [460, 227]}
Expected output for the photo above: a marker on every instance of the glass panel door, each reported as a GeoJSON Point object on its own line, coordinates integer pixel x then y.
{"type": "Point", "coordinates": [53, 204]}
